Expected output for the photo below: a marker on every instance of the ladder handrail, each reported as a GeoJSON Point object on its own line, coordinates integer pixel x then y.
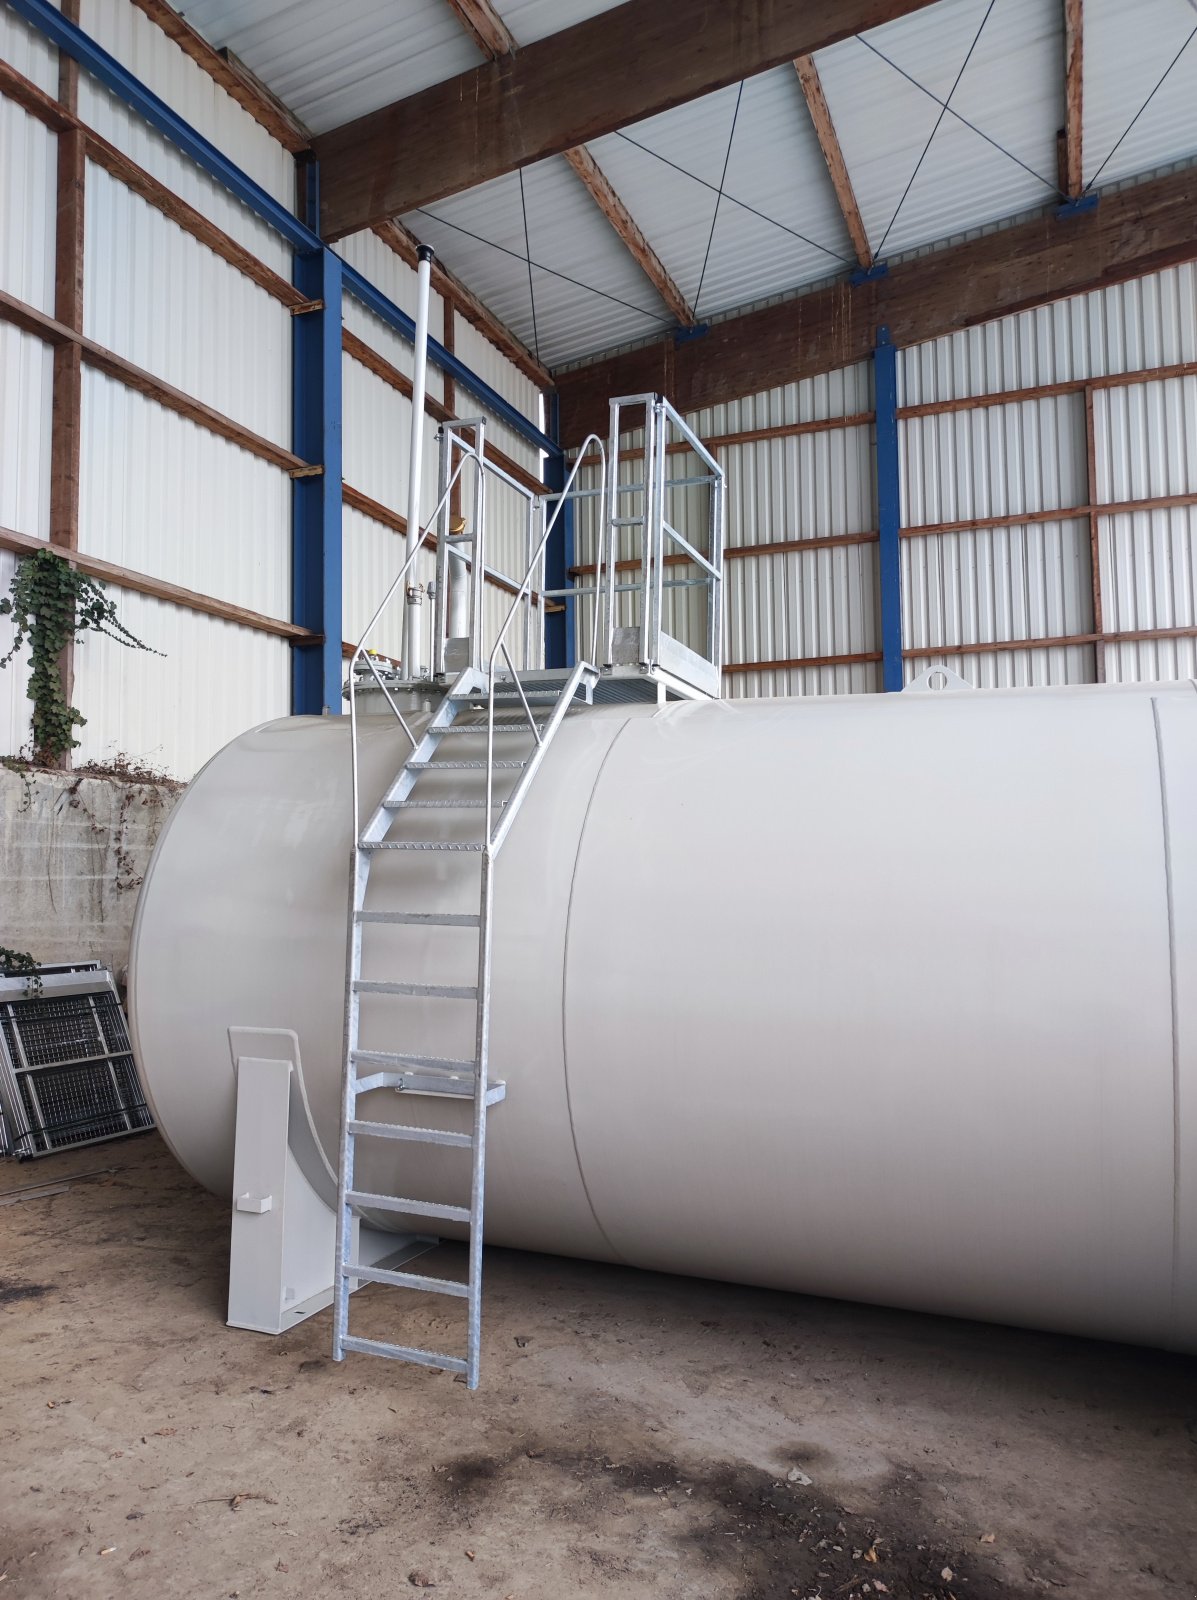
{"type": "Point", "coordinates": [500, 641]}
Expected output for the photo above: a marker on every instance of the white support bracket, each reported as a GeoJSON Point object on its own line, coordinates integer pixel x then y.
{"type": "Point", "coordinates": [284, 1230]}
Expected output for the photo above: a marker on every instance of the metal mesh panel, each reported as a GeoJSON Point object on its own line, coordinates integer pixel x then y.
{"type": "Point", "coordinates": [69, 1072]}
{"type": "Point", "coordinates": [53, 1030]}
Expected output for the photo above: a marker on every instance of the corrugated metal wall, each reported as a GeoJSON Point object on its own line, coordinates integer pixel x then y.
{"type": "Point", "coordinates": [15, 709]}
{"type": "Point", "coordinates": [800, 604]}
{"type": "Point", "coordinates": [1001, 505]}
{"type": "Point", "coordinates": [1146, 446]}
{"type": "Point", "coordinates": [1024, 580]}
{"type": "Point", "coordinates": [27, 220]}
{"type": "Point", "coordinates": [1035, 578]}
{"type": "Point", "coordinates": [376, 261]}
{"type": "Point", "coordinates": [377, 422]}
{"type": "Point", "coordinates": [139, 44]}
{"type": "Point", "coordinates": [164, 496]}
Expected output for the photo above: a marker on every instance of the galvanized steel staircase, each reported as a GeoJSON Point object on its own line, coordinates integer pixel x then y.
{"type": "Point", "coordinates": [517, 711]}
{"type": "Point", "coordinates": [522, 715]}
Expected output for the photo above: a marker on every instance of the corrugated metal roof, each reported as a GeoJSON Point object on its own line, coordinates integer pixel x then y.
{"type": "Point", "coordinates": [330, 64]}
{"type": "Point", "coordinates": [778, 222]}
{"type": "Point", "coordinates": [991, 156]}
{"type": "Point", "coordinates": [1127, 50]}
{"type": "Point", "coordinates": [586, 291]}
{"type": "Point", "coordinates": [1011, 90]}
{"type": "Point", "coordinates": [530, 20]}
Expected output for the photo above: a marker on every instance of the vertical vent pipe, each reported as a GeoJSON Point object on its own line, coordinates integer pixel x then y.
{"type": "Point", "coordinates": [413, 642]}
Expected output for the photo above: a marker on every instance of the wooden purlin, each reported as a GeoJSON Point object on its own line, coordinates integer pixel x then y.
{"type": "Point", "coordinates": [160, 589]}
{"type": "Point", "coordinates": [132, 376]}
{"type": "Point", "coordinates": [485, 26]}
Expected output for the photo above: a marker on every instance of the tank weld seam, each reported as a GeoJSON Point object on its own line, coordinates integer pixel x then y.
{"type": "Point", "coordinates": [1174, 1299]}
{"type": "Point", "coordinates": [569, 1106]}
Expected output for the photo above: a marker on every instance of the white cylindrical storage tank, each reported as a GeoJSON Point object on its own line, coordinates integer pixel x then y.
{"type": "Point", "coordinates": [891, 998]}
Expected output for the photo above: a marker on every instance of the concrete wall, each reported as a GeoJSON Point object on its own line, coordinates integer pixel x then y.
{"type": "Point", "coordinates": [73, 852]}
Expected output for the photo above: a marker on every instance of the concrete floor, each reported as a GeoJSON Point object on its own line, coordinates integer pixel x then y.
{"type": "Point", "coordinates": [635, 1435]}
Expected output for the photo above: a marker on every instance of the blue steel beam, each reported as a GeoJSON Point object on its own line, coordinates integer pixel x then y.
{"type": "Point", "coordinates": [71, 39]}
{"type": "Point", "coordinates": [889, 508]}
{"type": "Point", "coordinates": [316, 500]}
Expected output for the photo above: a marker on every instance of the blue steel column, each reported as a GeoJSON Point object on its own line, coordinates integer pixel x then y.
{"type": "Point", "coordinates": [889, 508]}
{"type": "Point", "coordinates": [316, 670]}
{"type": "Point", "coordinates": [559, 632]}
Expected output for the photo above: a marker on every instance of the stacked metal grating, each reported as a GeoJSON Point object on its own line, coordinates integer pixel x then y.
{"type": "Point", "coordinates": [67, 1075]}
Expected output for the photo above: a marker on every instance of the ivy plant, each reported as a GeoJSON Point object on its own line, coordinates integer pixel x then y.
{"type": "Point", "coordinates": [20, 964]}
{"type": "Point", "coordinates": [51, 603]}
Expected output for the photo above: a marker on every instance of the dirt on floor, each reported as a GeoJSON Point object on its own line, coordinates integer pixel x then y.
{"type": "Point", "coordinates": [635, 1435]}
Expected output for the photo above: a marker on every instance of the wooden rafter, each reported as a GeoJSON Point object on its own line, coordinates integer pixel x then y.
{"type": "Point", "coordinates": [637, 59]}
{"type": "Point", "coordinates": [837, 167]}
{"type": "Point", "coordinates": [485, 26]}
{"type": "Point", "coordinates": [1143, 228]}
{"type": "Point", "coordinates": [625, 225]}
{"type": "Point", "coordinates": [493, 37]}
{"type": "Point", "coordinates": [1073, 96]}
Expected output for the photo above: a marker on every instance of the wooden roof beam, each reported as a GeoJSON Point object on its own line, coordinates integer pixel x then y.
{"type": "Point", "coordinates": [1073, 97]}
{"type": "Point", "coordinates": [1142, 228]}
{"type": "Point", "coordinates": [621, 219]}
{"type": "Point", "coordinates": [837, 167]}
{"type": "Point", "coordinates": [493, 37]}
{"type": "Point", "coordinates": [565, 90]}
